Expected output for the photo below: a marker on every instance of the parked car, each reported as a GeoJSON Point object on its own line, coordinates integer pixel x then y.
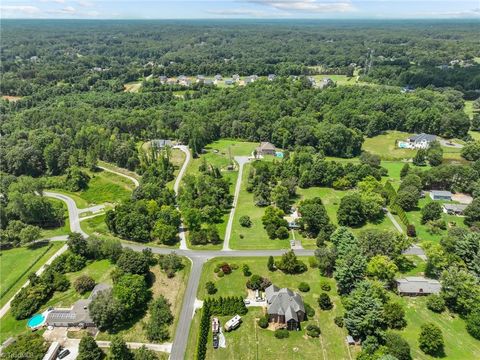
{"type": "Point", "coordinates": [292, 243]}
{"type": "Point", "coordinates": [246, 301]}
{"type": "Point", "coordinates": [63, 354]}
{"type": "Point", "coordinates": [215, 341]}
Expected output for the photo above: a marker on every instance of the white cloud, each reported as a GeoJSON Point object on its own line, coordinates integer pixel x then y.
{"type": "Point", "coordinates": [83, 3]}
{"type": "Point", "coordinates": [68, 10]}
{"type": "Point", "coordinates": [18, 10]}
{"type": "Point", "coordinates": [307, 5]}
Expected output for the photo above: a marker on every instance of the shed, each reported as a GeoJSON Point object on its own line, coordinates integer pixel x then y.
{"type": "Point", "coordinates": [454, 209]}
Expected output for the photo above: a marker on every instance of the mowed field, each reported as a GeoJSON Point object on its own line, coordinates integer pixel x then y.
{"type": "Point", "coordinates": [251, 342]}
{"type": "Point", "coordinates": [16, 264]}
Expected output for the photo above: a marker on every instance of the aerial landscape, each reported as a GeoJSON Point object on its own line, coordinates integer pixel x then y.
{"type": "Point", "coordinates": [241, 180]}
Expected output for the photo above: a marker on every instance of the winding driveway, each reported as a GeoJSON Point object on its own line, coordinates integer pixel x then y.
{"type": "Point", "coordinates": [241, 160]}
{"type": "Point", "coordinates": [135, 181]}
{"type": "Point", "coordinates": [176, 186]}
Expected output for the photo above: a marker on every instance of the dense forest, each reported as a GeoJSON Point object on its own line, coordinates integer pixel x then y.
{"type": "Point", "coordinates": [81, 56]}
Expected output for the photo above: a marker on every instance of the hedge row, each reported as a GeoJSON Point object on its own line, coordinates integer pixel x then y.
{"type": "Point", "coordinates": [220, 306]}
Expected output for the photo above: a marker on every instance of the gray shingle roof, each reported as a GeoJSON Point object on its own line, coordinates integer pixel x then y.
{"type": "Point", "coordinates": [284, 302]}
{"type": "Point", "coordinates": [455, 207]}
{"type": "Point", "coordinates": [160, 143]}
{"type": "Point", "coordinates": [418, 285]}
{"type": "Point", "coordinates": [441, 193]}
{"type": "Point", "coordinates": [421, 137]}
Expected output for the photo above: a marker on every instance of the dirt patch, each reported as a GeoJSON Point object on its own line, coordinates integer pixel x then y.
{"type": "Point", "coordinates": [10, 98]}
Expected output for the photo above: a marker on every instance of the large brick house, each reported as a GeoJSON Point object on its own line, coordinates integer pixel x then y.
{"type": "Point", "coordinates": [285, 307]}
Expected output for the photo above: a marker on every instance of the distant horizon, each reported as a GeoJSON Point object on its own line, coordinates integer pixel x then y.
{"type": "Point", "coordinates": [239, 9]}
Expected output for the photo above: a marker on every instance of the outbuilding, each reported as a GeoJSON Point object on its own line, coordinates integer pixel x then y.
{"type": "Point", "coordinates": [440, 195]}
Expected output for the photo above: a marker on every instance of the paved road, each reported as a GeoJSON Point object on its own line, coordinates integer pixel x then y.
{"type": "Point", "coordinates": [241, 160]}
{"type": "Point", "coordinates": [394, 221]}
{"type": "Point", "coordinates": [176, 186]}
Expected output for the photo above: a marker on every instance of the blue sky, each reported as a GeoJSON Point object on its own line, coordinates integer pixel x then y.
{"type": "Point", "coordinates": [238, 9]}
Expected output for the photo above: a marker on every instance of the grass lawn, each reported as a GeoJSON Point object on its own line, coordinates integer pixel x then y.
{"type": "Point", "coordinates": [103, 187]}
{"type": "Point", "coordinates": [415, 218]}
{"type": "Point", "coordinates": [173, 289]}
{"type": "Point", "coordinates": [469, 108]}
{"type": "Point", "coordinates": [254, 237]}
{"type": "Point", "coordinates": [475, 135]}
{"type": "Point", "coordinates": [14, 262]}
{"type": "Point", "coordinates": [459, 345]}
{"type": "Point", "coordinates": [119, 169]}
{"type": "Point", "coordinates": [253, 342]}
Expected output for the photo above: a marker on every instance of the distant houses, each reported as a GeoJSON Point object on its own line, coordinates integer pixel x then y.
{"type": "Point", "coordinates": [285, 307]}
{"type": "Point", "coordinates": [161, 143]}
{"type": "Point", "coordinates": [417, 286]}
{"type": "Point", "coordinates": [437, 195]}
{"type": "Point", "coordinates": [271, 77]}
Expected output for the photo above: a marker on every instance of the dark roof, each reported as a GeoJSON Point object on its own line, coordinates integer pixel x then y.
{"type": "Point", "coordinates": [264, 145]}
{"type": "Point", "coordinates": [160, 143]}
{"type": "Point", "coordinates": [284, 302]}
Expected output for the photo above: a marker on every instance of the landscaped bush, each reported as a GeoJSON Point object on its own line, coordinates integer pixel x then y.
{"type": "Point", "coordinates": [473, 323]}
{"type": "Point", "coordinates": [234, 266]}
{"type": "Point", "coordinates": [431, 339]}
{"type": "Point", "coordinates": [68, 262]}
{"type": "Point", "coordinates": [227, 269]}
{"type": "Point", "coordinates": [324, 301]}
{"type": "Point", "coordinates": [170, 263]}
{"type": "Point", "coordinates": [83, 284]}
{"type": "Point", "coordinates": [220, 274]}
{"type": "Point", "coordinates": [313, 330]}
{"type": "Point", "coordinates": [289, 264]}
{"type": "Point", "coordinates": [304, 287]}
{"type": "Point", "coordinates": [313, 262]}
{"type": "Point", "coordinates": [257, 282]}
{"type": "Point", "coordinates": [211, 288]}
{"type": "Point", "coordinates": [263, 322]}
{"type": "Point", "coordinates": [325, 286]}
{"type": "Point", "coordinates": [246, 270]}
{"type": "Point", "coordinates": [436, 303]}
{"type": "Point", "coordinates": [245, 221]}
{"type": "Point", "coordinates": [411, 231]}
{"type": "Point", "coordinates": [338, 320]}
{"type": "Point", "coordinates": [281, 334]}
{"type": "Point", "coordinates": [310, 311]}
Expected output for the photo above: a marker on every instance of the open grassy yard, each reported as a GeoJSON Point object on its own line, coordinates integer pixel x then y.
{"type": "Point", "coordinates": [469, 108]}
{"type": "Point", "coordinates": [459, 345]}
{"type": "Point", "coordinates": [16, 264]}
{"type": "Point", "coordinates": [254, 237]}
{"type": "Point", "coordinates": [250, 341]}
{"type": "Point", "coordinates": [475, 135]}
{"type": "Point", "coordinates": [415, 218]}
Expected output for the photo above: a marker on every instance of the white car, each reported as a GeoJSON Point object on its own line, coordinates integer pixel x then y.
{"type": "Point", "coordinates": [292, 243]}
{"type": "Point", "coordinates": [246, 301]}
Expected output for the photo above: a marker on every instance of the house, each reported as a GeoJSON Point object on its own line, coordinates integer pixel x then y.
{"type": "Point", "coordinates": [229, 82]}
{"type": "Point", "coordinates": [421, 141]}
{"type": "Point", "coordinates": [200, 78]}
{"type": "Point", "coordinates": [292, 219]}
{"type": "Point", "coordinates": [78, 315]}
{"type": "Point", "coordinates": [271, 77]}
{"type": "Point", "coordinates": [161, 143]}
{"type": "Point", "coordinates": [266, 148]}
{"type": "Point", "coordinates": [326, 82]}
{"type": "Point", "coordinates": [171, 81]}
{"type": "Point", "coordinates": [440, 195]}
{"type": "Point", "coordinates": [233, 323]}
{"type": "Point", "coordinates": [285, 307]}
{"type": "Point", "coordinates": [163, 79]}
{"type": "Point", "coordinates": [217, 78]}
{"type": "Point", "coordinates": [250, 79]}
{"type": "Point", "coordinates": [208, 82]}
{"type": "Point", "coordinates": [236, 77]}
{"type": "Point", "coordinates": [311, 80]}
{"type": "Point", "coordinates": [454, 209]}
{"type": "Point", "coordinates": [185, 82]}
{"type": "Point", "coordinates": [418, 285]}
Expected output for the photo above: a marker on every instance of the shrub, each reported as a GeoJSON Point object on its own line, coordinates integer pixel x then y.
{"type": "Point", "coordinates": [211, 288]}
{"type": "Point", "coordinates": [257, 282]}
{"type": "Point", "coordinates": [397, 346]}
{"type": "Point", "coordinates": [431, 339]}
{"type": "Point", "coordinates": [411, 231]}
{"type": "Point", "coordinates": [313, 262]}
{"type": "Point", "coordinates": [83, 284]}
{"type": "Point", "coordinates": [234, 266]}
{"type": "Point", "coordinates": [338, 320]}
{"type": "Point", "coordinates": [436, 303]}
{"type": "Point", "coordinates": [282, 232]}
{"type": "Point", "coordinates": [226, 269]}
{"type": "Point", "coordinates": [304, 287]}
{"type": "Point", "coordinates": [246, 270]}
{"type": "Point", "coordinates": [263, 322]}
{"type": "Point", "coordinates": [245, 221]}
{"type": "Point", "coordinates": [473, 323]}
{"type": "Point", "coordinates": [310, 311]}
{"type": "Point", "coordinates": [216, 269]}
{"type": "Point", "coordinates": [271, 264]}
{"type": "Point", "coordinates": [313, 330]}
{"type": "Point", "coordinates": [324, 302]}
{"type": "Point", "coordinates": [281, 334]}
{"type": "Point", "coordinates": [220, 274]}
{"type": "Point", "coordinates": [325, 286]}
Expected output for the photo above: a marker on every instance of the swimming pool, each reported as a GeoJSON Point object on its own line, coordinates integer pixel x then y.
{"type": "Point", "coordinates": [36, 320]}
